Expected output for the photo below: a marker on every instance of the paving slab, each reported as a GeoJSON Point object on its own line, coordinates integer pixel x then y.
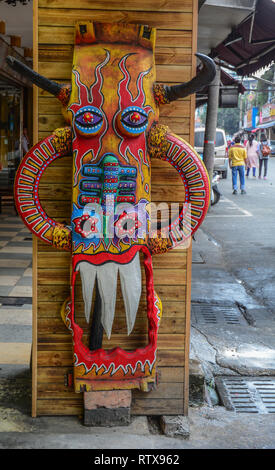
{"type": "Point", "coordinates": [210, 428]}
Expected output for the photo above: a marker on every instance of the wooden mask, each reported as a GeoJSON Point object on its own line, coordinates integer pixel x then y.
{"type": "Point", "coordinates": [112, 111]}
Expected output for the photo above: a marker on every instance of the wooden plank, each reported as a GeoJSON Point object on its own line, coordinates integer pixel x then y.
{"type": "Point", "coordinates": [51, 311]}
{"type": "Point", "coordinates": [61, 292]}
{"type": "Point", "coordinates": [165, 73]}
{"type": "Point", "coordinates": [43, 134]}
{"type": "Point", "coordinates": [168, 325]}
{"type": "Point", "coordinates": [173, 55]}
{"type": "Point", "coordinates": [62, 356]}
{"type": "Point", "coordinates": [63, 169]}
{"type": "Point", "coordinates": [63, 192]}
{"type": "Point", "coordinates": [189, 252]}
{"type": "Point", "coordinates": [61, 210]}
{"type": "Point", "coordinates": [187, 327]}
{"type": "Point", "coordinates": [173, 37]}
{"type": "Point", "coordinates": [68, 17]}
{"type": "Point", "coordinates": [129, 343]}
{"type": "Point", "coordinates": [74, 407]}
{"type": "Point", "coordinates": [142, 5]}
{"type": "Point", "coordinates": [35, 242]}
{"type": "Point", "coordinates": [57, 175]}
{"type": "Point", "coordinates": [61, 259]}
{"type": "Point", "coordinates": [65, 35]}
{"type": "Point", "coordinates": [166, 391]}
{"type": "Point", "coordinates": [163, 55]}
{"type": "Point", "coordinates": [163, 277]}
{"type": "Point", "coordinates": [50, 122]}
{"type": "Point", "coordinates": [178, 109]}
{"type": "Point", "coordinates": [56, 53]}
{"type": "Point", "coordinates": [54, 376]}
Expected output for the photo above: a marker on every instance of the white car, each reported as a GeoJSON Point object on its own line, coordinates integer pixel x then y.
{"type": "Point", "coordinates": [221, 150]}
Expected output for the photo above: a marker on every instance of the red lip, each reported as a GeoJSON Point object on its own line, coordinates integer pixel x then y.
{"type": "Point", "coordinates": [105, 257]}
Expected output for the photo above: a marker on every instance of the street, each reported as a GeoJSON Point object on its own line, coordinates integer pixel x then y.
{"type": "Point", "coordinates": [233, 266]}
{"type": "Point", "coordinates": [244, 226]}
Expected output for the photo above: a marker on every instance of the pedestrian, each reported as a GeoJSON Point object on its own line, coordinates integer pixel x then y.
{"type": "Point", "coordinates": [25, 141]}
{"type": "Point", "coordinates": [252, 155]}
{"type": "Point", "coordinates": [237, 161]}
{"type": "Point", "coordinates": [263, 151]}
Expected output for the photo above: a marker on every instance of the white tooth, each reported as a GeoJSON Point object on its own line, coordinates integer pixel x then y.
{"type": "Point", "coordinates": [107, 285]}
{"type": "Point", "coordinates": [88, 275]}
{"type": "Point", "coordinates": [130, 278]}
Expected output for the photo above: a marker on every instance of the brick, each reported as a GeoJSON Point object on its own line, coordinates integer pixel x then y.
{"type": "Point", "coordinates": [175, 426]}
{"type": "Point", "coordinates": [107, 399]}
{"type": "Point", "coordinates": [107, 408]}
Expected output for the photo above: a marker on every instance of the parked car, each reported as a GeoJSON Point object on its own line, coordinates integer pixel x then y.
{"type": "Point", "coordinates": [221, 149]}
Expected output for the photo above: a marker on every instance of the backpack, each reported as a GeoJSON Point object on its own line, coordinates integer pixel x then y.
{"type": "Point", "coordinates": [265, 150]}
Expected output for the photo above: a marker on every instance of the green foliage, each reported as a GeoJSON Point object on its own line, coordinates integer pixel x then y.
{"type": "Point", "coordinates": [228, 119]}
{"type": "Point", "coordinates": [262, 87]}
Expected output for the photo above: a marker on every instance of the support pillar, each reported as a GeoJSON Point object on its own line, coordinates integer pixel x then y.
{"type": "Point", "coordinates": [211, 124]}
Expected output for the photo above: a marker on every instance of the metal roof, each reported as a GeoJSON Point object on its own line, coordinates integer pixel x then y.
{"type": "Point", "coordinates": [250, 45]}
{"type": "Point", "coordinates": [217, 18]}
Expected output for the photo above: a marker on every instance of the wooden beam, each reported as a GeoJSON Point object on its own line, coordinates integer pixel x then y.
{"type": "Point", "coordinates": [35, 241]}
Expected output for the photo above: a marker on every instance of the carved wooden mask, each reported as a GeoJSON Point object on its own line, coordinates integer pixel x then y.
{"type": "Point", "coordinates": [112, 111]}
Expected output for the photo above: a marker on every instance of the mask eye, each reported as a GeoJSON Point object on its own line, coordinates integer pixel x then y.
{"type": "Point", "coordinates": [132, 121]}
{"type": "Point", "coordinates": [88, 121]}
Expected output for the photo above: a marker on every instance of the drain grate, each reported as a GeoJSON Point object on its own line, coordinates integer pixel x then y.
{"type": "Point", "coordinates": [213, 314]}
{"type": "Point", "coordinates": [247, 395]}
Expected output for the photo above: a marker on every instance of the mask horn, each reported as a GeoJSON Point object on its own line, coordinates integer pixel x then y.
{"type": "Point", "coordinates": [62, 92]}
{"type": "Point", "coordinates": [34, 77]}
{"type": "Point", "coordinates": [204, 78]}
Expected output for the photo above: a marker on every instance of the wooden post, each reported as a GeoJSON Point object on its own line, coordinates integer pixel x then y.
{"type": "Point", "coordinates": [15, 41]}
{"type": "Point", "coordinates": [211, 124]}
{"type": "Point", "coordinates": [2, 27]}
{"type": "Point", "coordinates": [34, 239]}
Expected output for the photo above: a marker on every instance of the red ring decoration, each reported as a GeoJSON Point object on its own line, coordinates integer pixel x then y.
{"type": "Point", "coordinates": [197, 189]}
{"type": "Point", "coordinates": [26, 188]}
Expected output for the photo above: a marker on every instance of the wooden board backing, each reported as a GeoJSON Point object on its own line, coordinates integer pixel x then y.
{"type": "Point", "coordinates": [176, 22]}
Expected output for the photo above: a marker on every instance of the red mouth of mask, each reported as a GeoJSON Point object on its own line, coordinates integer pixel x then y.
{"type": "Point", "coordinates": [94, 366]}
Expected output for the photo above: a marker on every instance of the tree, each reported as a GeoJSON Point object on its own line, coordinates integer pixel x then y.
{"type": "Point", "coordinates": [228, 119]}
{"type": "Point", "coordinates": [262, 87]}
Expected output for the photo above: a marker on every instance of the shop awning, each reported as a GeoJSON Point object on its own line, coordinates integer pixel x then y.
{"type": "Point", "coordinates": [250, 45]}
{"type": "Point", "coordinates": [266, 125]}
{"type": "Point", "coordinates": [226, 80]}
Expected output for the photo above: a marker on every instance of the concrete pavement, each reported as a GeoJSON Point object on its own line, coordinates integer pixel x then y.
{"type": "Point", "coordinates": [235, 267]}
